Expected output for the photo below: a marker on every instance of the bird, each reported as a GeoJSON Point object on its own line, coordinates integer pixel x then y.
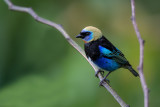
{"type": "Point", "coordinates": [103, 53]}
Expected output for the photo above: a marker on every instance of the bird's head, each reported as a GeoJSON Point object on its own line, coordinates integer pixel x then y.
{"type": "Point", "coordinates": [89, 34]}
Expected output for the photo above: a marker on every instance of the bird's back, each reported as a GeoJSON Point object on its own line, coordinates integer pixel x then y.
{"type": "Point", "coordinates": [92, 48]}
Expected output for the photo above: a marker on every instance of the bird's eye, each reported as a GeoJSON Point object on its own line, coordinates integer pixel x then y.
{"type": "Point", "coordinates": [88, 33]}
{"type": "Point", "coordinates": [84, 34]}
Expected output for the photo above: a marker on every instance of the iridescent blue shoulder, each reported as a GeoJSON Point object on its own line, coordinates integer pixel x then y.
{"type": "Point", "coordinates": [106, 44]}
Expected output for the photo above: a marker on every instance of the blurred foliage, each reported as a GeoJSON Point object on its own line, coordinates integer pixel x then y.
{"type": "Point", "coordinates": [38, 68]}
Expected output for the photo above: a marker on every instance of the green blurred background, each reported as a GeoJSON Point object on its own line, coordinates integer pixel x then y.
{"type": "Point", "coordinates": [38, 67]}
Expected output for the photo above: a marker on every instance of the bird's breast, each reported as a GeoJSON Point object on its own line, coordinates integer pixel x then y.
{"type": "Point", "coordinates": [92, 51]}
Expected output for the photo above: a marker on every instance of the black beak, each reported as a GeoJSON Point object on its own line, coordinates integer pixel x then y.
{"type": "Point", "coordinates": [79, 36]}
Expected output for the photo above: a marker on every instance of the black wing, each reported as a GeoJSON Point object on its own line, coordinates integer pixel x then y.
{"type": "Point", "coordinates": [115, 54]}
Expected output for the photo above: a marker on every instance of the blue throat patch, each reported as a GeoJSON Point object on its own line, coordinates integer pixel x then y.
{"type": "Point", "coordinates": [88, 38]}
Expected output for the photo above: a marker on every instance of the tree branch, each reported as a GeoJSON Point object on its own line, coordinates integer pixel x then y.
{"type": "Point", "coordinates": [140, 67]}
{"type": "Point", "coordinates": [67, 37]}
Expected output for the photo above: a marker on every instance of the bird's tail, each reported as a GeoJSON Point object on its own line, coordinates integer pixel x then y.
{"type": "Point", "coordinates": [132, 71]}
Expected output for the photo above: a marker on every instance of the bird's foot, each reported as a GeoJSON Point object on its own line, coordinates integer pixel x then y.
{"type": "Point", "coordinates": [104, 80]}
{"type": "Point", "coordinates": [96, 74]}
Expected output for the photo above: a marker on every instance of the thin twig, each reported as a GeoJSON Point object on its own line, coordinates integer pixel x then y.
{"type": "Point", "coordinates": [67, 37]}
{"type": "Point", "coordinates": [140, 67]}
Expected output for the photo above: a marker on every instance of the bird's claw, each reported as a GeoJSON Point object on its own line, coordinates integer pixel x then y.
{"type": "Point", "coordinates": [104, 79]}
{"type": "Point", "coordinates": [96, 74]}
